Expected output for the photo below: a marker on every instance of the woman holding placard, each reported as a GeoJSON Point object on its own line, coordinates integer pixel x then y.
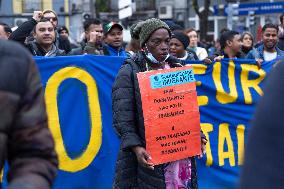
{"type": "Point", "coordinates": [134, 168]}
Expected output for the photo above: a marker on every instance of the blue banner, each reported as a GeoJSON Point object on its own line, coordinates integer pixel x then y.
{"type": "Point", "coordinates": [227, 94]}
{"type": "Point", "coordinates": [78, 99]}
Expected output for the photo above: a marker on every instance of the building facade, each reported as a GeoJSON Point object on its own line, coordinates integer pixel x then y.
{"type": "Point", "coordinates": [70, 12]}
{"type": "Point", "coordinates": [183, 11]}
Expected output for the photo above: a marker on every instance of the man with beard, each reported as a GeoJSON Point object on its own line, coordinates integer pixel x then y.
{"type": "Point", "coordinates": [268, 50]}
{"type": "Point", "coordinates": [43, 33]}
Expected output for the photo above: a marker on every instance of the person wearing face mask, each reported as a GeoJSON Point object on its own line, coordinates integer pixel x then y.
{"type": "Point", "coordinates": [133, 168]}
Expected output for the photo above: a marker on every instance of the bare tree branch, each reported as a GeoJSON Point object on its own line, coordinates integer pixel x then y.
{"type": "Point", "coordinates": [203, 16]}
{"type": "Point", "coordinates": [196, 7]}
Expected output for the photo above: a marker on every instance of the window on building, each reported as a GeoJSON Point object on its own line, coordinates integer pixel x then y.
{"type": "Point", "coordinates": [30, 6]}
{"type": "Point", "coordinates": [145, 5]}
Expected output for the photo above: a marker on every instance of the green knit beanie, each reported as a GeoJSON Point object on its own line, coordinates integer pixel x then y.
{"type": "Point", "coordinates": [143, 30]}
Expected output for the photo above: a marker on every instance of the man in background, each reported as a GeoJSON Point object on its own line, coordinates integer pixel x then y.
{"type": "Point", "coordinates": [268, 50]}
{"type": "Point", "coordinates": [43, 33]}
{"type": "Point", "coordinates": [93, 38]}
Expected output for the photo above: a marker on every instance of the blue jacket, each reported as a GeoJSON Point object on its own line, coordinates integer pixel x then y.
{"type": "Point", "coordinates": [257, 53]}
{"type": "Point", "coordinates": [115, 52]}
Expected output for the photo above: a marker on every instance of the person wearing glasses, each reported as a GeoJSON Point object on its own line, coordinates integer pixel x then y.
{"type": "Point", "coordinates": [44, 35]}
{"type": "Point", "coordinates": [51, 16]}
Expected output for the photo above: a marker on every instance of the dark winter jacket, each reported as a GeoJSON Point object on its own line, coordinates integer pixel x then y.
{"type": "Point", "coordinates": [128, 122]}
{"type": "Point", "coordinates": [88, 48]}
{"type": "Point", "coordinates": [23, 31]}
{"type": "Point", "coordinates": [25, 140]}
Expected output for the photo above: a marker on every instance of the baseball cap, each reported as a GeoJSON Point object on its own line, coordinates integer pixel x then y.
{"type": "Point", "coordinates": [110, 25]}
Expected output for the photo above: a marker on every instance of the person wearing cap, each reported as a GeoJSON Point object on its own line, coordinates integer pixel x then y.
{"type": "Point", "coordinates": [113, 39]}
{"type": "Point", "coordinates": [133, 168]}
{"type": "Point", "coordinates": [63, 38]}
{"type": "Point", "coordinates": [178, 47]}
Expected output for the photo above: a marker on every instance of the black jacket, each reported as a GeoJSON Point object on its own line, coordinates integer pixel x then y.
{"type": "Point", "coordinates": [25, 140]}
{"type": "Point", "coordinates": [24, 31]}
{"type": "Point", "coordinates": [128, 122]}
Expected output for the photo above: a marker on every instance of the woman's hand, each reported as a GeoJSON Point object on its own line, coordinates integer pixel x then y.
{"type": "Point", "coordinates": [143, 157]}
{"type": "Point", "coordinates": [203, 147]}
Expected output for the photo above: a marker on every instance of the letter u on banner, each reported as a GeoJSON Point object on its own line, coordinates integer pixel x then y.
{"type": "Point", "coordinates": [84, 160]}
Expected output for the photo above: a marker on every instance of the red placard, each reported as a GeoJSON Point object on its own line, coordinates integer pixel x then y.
{"type": "Point", "coordinates": [171, 114]}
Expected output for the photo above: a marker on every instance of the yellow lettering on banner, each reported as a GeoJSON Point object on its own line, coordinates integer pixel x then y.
{"type": "Point", "coordinates": [241, 144]}
{"type": "Point", "coordinates": [207, 128]}
{"type": "Point", "coordinates": [222, 96]}
{"type": "Point", "coordinates": [200, 69]}
{"type": "Point", "coordinates": [51, 91]}
{"type": "Point", "coordinates": [247, 84]}
{"type": "Point", "coordinates": [224, 135]}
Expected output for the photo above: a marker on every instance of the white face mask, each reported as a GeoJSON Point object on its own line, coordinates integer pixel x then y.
{"type": "Point", "coordinates": [152, 58]}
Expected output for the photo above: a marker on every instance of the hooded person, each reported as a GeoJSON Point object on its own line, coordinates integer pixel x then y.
{"type": "Point", "coordinates": [133, 168]}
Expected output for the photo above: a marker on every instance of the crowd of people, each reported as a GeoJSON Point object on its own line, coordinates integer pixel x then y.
{"type": "Point", "coordinates": [43, 36]}
{"type": "Point", "coordinates": [154, 45]}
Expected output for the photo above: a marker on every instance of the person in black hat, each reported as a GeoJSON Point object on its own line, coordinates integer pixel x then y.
{"type": "Point", "coordinates": [63, 39]}
{"type": "Point", "coordinates": [178, 47]}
